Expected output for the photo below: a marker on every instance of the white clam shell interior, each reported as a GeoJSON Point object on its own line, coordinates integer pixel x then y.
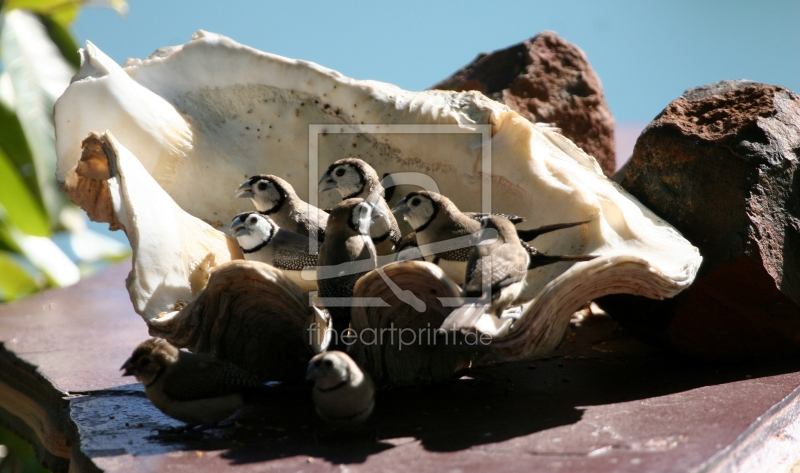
{"type": "Point", "coordinates": [202, 117]}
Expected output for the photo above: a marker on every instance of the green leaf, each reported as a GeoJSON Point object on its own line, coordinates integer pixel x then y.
{"type": "Point", "coordinates": [22, 209]}
{"type": "Point", "coordinates": [45, 255]}
{"type": "Point", "coordinates": [15, 282]}
{"type": "Point", "coordinates": [62, 11]}
{"type": "Point", "coordinates": [14, 146]}
{"type": "Point", "coordinates": [39, 74]}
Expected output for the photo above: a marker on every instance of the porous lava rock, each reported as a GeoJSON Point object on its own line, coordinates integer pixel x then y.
{"type": "Point", "coordinates": [546, 79]}
{"type": "Point", "coordinates": [720, 163]}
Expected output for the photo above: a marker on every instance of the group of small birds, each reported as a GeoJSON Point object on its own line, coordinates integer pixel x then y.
{"type": "Point", "coordinates": [484, 253]}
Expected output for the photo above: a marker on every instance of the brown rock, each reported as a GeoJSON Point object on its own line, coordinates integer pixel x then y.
{"type": "Point", "coordinates": [720, 163]}
{"type": "Point", "coordinates": [546, 79]}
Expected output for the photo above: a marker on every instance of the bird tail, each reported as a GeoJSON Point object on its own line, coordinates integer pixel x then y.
{"type": "Point", "coordinates": [528, 235]}
{"type": "Point", "coordinates": [541, 259]}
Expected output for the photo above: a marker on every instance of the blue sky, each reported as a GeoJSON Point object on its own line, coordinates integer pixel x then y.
{"type": "Point", "coordinates": [645, 52]}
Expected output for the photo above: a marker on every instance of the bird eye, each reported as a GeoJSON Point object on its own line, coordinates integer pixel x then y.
{"type": "Point", "coordinates": [144, 362]}
{"type": "Point", "coordinates": [340, 172]}
{"type": "Point", "coordinates": [327, 363]}
{"type": "Point", "coordinates": [262, 186]}
{"type": "Point", "coordinates": [253, 220]}
{"type": "Point", "coordinates": [414, 202]}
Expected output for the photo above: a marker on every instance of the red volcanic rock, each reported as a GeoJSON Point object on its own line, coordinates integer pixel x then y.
{"type": "Point", "coordinates": [546, 79]}
{"type": "Point", "coordinates": [720, 163]}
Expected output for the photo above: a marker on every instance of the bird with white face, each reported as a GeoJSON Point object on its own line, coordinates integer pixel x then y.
{"type": "Point", "coordinates": [276, 198]}
{"type": "Point", "coordinates": [343, 394]}
{"type": "Point", "coordinates": [445, 235]}
{"type": "Point", "coordinates": [262, 240]}
{"type": "Point", "coordinates": [354, 178]}
{"type": "Point", "coordinates": [196, 389]}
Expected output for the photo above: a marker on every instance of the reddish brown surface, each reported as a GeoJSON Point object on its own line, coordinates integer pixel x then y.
{"type": "Point", "coordinates": [605, 402]}
{"type": "Point", "coordinates": [736, 309]}
{"type": "Point", "coordinates": [546, 79]}
{"type": "Point", "coordinates": [720, 164]}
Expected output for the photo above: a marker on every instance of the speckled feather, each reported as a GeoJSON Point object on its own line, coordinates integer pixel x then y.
{"type": "Point", "coordinates": [199, 376]}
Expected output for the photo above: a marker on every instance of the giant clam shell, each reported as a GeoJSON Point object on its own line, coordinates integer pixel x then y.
{"type": "Point", "coordinates": [201, 117]}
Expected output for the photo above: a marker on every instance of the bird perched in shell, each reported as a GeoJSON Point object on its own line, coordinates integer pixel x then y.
{"type": "Point", "coordinates": [193, 388]}
{"type": "Point", "coordinates": [353, 178]}
{"type": "Point", "coordinates": [346, 254]}
{"type": "Point", "coordinates": [497, 263]}
{"type": "Point", "coordinates": [276, 198]}
{"type": "Point", "coordinates": [261, 239]}
{"type": "Point", "coordinates": [451, 233]}
{"type": "Point", "coordinates": [495, 275]}
{"type": "Point", "coordinates": [343, 394]}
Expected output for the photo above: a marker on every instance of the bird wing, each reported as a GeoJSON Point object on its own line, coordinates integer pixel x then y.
{"type": "Point", "coordinates": [408, 241]}
{"type": "Point", "coordinates": [528, 235]}
{"type": "Point", "coordinates": [537, 258]}
{"type": "Point", "coordinates": [515, 219]}
{"type": "Point", "coordinates": [305, 220]}
{"type": "Point", "coordinates": [197, 376]}
{"type": "Point", "coordinates": [290, 251]}
{"type": "Point", "coordinates": [509, 265]}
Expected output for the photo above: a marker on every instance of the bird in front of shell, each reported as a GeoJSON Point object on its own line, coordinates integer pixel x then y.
{"type": "Point", "coordinates": [261, 239]}
{"type": "Point", "coordinates": [343, 394]}
{"type": "Point", "coordinates": [354, 178]}
{"type": "Point", "coordinates": [194, 388]}
{"type": "Point", "coordinates": [346, 254]}
{"type": "Point", "coordinates": [445, 235]}
{"type": "Point", "coordinates": [276, 198]}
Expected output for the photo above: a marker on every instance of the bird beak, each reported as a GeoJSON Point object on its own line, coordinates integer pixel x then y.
{"type": "Point", "coordinates": [401, 207]}
{"type": "Point", "coordinates": [313, 372]}
{"type": "Point", "coordinates": [129, 367]}
{"type": "Point", "coordinates": [237, 227]}
{"type": "Point", "coordinates": [328, 182]}
{"type": "Point", "coordinates": [245, 190]}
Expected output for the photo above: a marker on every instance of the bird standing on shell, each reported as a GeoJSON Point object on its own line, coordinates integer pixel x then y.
{"type": "Point", "coordinates": [346, 254]}
{"type": "Point", "coordinates": [495, 274]}
{"type": "Point", "coordinates": [262, 240]}
{"type": "Point", "coordinates": [353, 178]}
{"type": "Point", "coordinates": [452, 234]}
{"type": "Point", "coordinates": [343, 394]}
{"type": "Point", "coordinates": [497, 263]}
{"type": "Point", "coordinates": [276, 198]}
{"type": "Point", "coordinates": [193, 388]}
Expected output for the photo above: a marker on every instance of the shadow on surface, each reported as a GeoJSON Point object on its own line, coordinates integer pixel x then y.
{"type": "Point", "coordinates": [599, 365]}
